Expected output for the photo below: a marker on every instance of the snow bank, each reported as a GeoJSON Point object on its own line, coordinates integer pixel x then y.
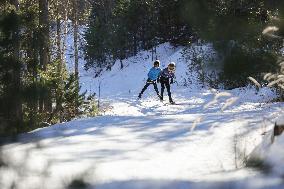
{"type": "Point", "coordinates": [271, 151]}
{"type": "Point", "coordinates": [275, 155]}
{"type": "Point", "coordinates": [147, 144]}
{"type": "Point", "coordinates": [251, 94]}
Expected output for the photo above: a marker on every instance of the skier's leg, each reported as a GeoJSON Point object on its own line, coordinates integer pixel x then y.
{"type": "Point", "coordinates": [162, 90]}
{"type": "Point", "coordinates": [156, 89]}
{"type": "Point", "coordinates": [144, 88]}
{"type": "Point", "coordinates": [168, 86]}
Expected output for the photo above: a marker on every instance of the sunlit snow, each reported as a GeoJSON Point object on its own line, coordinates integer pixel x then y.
{"type": "Point", "coordinates": [202, 142]}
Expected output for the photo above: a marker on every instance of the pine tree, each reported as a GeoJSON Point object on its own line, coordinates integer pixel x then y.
{"type": "Point", "coordinates": [235, 28]}
{"type": "Point", "coordinates": [32, 68]}
{"type": "Point", "coordinates": [11, 115]}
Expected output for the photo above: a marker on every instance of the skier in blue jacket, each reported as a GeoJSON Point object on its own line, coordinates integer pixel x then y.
{"type": "Point", "coordinates": [153, 76]}
{"type": "Point", "coordinates": [166, 78]}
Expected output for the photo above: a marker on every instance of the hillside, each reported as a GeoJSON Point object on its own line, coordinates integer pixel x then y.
{"type": "Point", "coordinates": [202, 142]}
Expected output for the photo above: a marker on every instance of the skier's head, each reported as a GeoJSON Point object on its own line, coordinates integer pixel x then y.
{"type": "Point", "coordinates": [157, 63]}
{"type": "Point", "coordinates": [172, 67]}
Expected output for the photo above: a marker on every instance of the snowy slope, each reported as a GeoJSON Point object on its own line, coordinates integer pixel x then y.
{"type": "Point", "coordinates": [134, 73]}
{"type": "Point", "coordinates": [199, 143]}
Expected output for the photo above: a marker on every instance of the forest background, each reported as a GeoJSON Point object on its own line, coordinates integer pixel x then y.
{"type": "Point", "coordinates": [37, 89]}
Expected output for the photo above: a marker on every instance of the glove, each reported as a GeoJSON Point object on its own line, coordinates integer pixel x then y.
{"type": "Point", "coordinates": [150, 81]}
{"type": "Point", "coordinates": [172, 81]}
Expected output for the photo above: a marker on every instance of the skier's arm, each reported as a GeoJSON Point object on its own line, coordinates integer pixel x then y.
{"type": "Point", "coordinates": [158, 79]}
{"type": "Point", "coordinates": [172, 78]}
{"type": "Point", "coordinates": [159, 76]}
{"type": "Point", "coordinates": [149, 74]}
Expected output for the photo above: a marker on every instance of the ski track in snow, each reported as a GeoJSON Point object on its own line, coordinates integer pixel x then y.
{"type": "Point", "coordinates": [145, 144]}
{"type": "Point", "coordinates": [145, 141]}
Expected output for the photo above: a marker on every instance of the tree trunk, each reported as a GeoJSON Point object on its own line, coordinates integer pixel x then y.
{"type": "Point", "coordinates": [58, 39]}
{"type": "Point", "coordinates": [16, 109]}
{"type": "Point", "coordinates": [76, 53]}
{"type": "Point", "coordinates": [65, 30]}
{"type": "Point", "coordinates": [121, 64]}
{"type": "Point", "coordinates": [44, 33]}
{"type": "Point", "coordinates": [45, 99]}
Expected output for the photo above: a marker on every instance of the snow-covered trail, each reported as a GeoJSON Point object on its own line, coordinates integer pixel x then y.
{"type": "Point", "coordinates": [199, 143]}
{"type": "Point", "coordinates": [191, 140]}
{"type": "Point", "coordinates": [144, 141]}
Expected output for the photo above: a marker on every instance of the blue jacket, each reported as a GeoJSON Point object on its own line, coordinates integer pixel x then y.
{"type": "Point", "coordinates": [154, 73]}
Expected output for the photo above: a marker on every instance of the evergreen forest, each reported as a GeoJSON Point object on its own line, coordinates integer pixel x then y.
{"type": "Point", "coordinates": [37, 89]}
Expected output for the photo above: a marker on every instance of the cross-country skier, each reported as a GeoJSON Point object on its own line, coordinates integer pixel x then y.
{"type": "Point", "coordinates": [166, 78]}
{"type": "Point", "coordinates": [153, 75]}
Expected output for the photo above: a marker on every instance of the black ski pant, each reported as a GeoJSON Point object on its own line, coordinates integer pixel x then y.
{"type": "Point", "coordinates": [166, 83]}
{"type": "Point", "coordinates": [149, 82]}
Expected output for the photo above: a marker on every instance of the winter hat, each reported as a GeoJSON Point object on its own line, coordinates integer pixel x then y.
{"type": "Point", "coordinates": [157, 62]}
{"type": "Point", "coordinates": [172, 66]}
